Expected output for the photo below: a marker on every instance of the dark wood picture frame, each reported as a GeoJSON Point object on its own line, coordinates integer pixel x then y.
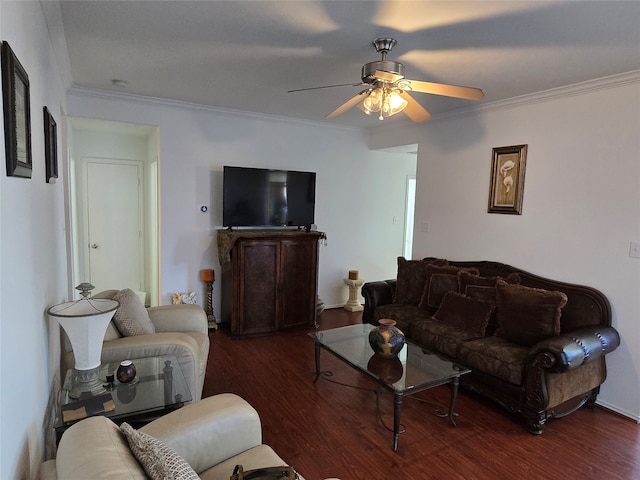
{"type": "Point", "coordinates": [507, 179]}
{"type": "Point", "coordinates": [17, 115]}
{"type": "Point", "coordinates": [50, 147]}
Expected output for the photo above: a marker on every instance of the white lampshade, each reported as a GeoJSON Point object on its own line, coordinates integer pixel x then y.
{"type": "Point", "coordinates": [85, 322]}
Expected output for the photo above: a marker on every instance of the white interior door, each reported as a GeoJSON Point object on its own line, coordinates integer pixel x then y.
{"type": "Point", "coordinates": [114, 224]}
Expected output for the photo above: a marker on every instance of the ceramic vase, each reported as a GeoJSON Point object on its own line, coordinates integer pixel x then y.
{"type": "Point", "coordinates": [386, 339]}
{"type": "Point", "coordinates": [126, 371]}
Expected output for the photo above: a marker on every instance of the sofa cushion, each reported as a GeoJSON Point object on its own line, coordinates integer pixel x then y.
{"type": "Point", "coordinates": [159, 461]}
{"type": "Point", "coordinates": [495, 356]}
{"type": "Point", "coordinates": [465, 313]}
{"type": "Point", "coordinates": [440, 279]}
{"type": "Point", "coordinates": [439, 336]}
{"type": "Point", "coordinates": [411, 278]}
{"type": "Point", "coordinates": [403, 314]}
{"type": "Point", "coordinates": [483, 288]}
{"type": "Point", "coordinates": [527, 315]}
{"type": "Point", "coordinates": [131, 317]}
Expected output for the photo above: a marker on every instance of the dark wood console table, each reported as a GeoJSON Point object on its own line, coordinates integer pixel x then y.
{"type": "Point", "coordinates": [269, 280]}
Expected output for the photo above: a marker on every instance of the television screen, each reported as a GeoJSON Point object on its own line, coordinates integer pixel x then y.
{"type": "Point", "coordinates": [257, 197]}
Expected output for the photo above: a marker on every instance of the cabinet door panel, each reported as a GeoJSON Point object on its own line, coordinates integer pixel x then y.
{"type": "Point", "coordinates": [298, 282]}
{"type": "Point", "coordinates": [259, 286]}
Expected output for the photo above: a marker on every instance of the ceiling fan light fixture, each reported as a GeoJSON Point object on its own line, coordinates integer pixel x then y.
{"type": "Point", "coordinates": [383, 101]}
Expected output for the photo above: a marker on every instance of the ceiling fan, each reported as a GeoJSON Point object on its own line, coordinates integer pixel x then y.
{"type": "Point", "coordinates": [387, 90]}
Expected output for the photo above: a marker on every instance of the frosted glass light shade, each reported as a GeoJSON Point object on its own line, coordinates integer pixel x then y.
{"type": "Point", "coordinates": [85, 322]}
{"type": "Point", "coordinates": [384, 102]}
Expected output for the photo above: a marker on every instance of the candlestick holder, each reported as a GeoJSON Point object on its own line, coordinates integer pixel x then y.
{"type": "Point", "coordinates": [208, 277]}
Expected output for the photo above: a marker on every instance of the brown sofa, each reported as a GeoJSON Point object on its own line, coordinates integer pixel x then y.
{"type": "Point", "coordinates": [536, 346]}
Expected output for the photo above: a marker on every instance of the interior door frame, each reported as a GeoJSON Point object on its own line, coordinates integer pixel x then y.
{"type": "Point", "coordinates": [84, 212]}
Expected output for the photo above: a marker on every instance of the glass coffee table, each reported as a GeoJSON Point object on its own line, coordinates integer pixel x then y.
{"type": "Point", "coordinates": [413, 370]}
{"type": "Point", "coordinates": [159, 387]}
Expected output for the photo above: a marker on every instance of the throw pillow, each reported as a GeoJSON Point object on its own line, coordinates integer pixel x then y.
{"type": "Point", "coordinates": [158, 460]}
{"type": "Point", "coordinates": [131, 318]}
{"type": "Point", "coordinates": [410, 279]}
{"type": "Point", "coordinates": [465, 313]}
{"type": "Point", "coordinates": [482, 288]}
{"type": "Point", "coordinates": [527, 315]}
{"type": "Point", "coordinates": [439, 281]}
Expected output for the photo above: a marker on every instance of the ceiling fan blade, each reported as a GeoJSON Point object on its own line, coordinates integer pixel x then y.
{"type": "Point", "coordinates": [468, 93]}
{"type": "Point", "coordinates": [414, 110]}
{"type": "Point", "coordinates": [388, 76]}
{"type": "Point", "coordinates": [349, 103]}
{"type": "Point", "coordinates": [328, 86]}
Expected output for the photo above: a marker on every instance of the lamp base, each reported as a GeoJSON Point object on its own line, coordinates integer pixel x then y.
{"type": "Point", "coordinates": [86, 383]}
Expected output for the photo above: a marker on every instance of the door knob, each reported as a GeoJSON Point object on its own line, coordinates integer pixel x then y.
{"type": "Point", "coordinates": [94, 245]}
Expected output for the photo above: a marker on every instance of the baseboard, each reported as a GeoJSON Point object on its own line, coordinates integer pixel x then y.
{"type": "Point", "coordinates": [618, 411]}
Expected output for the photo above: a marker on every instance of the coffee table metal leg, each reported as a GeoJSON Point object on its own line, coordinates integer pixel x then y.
{"type": "Point", "coordinates": [317, 362]}
{"type": "Point", "coordinates": [397, 411]}
{"type": "Point", "coordinates": [454, 395]}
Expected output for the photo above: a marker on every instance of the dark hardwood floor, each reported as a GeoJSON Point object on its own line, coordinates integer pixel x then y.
{"type": "Point", "coordinates": [330, 430]}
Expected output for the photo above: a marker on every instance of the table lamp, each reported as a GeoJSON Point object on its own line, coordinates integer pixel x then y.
{"type": "Point", "coordinates": [85, 321]}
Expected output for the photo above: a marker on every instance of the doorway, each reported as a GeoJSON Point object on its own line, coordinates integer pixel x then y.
{"type": "Point", "coordinates": [409, 213]}
{"type": "Point", "coordinates": [113, 193]}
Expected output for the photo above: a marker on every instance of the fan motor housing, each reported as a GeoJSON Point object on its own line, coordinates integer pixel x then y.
{"type": "Point", "coordinates": [369, 69]}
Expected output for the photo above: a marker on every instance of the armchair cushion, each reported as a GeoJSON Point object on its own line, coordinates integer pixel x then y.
{"type": "Point", "coordinates": [527, 315]}
{"type": "Point", "coordinates": [158, 460]}
{"type": "Point", "coordinates": [131, 317]}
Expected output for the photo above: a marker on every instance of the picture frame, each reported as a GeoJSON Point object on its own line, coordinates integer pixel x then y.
{"type": "Point", "coordinates": [507, 179]}
{"type": "Point", "coordinates": [17, 114]}
{"type": "Point", "coordinates": [50, 147]}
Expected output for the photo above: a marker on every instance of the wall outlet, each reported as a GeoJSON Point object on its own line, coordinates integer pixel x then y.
{"type": "Point", "coordinates": [634, 249]}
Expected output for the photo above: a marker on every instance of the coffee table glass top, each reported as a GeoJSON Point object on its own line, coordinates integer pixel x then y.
{"type": "Point", "coordinates": [159, 384]}
{"type": "Point", "coordinates": [415, 368]}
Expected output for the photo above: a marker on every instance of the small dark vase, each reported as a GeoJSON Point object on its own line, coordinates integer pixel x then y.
{"type": "Point", "coordinates": [386, 339]}
{"type": "Point", "coordinates": [387, 369]}
{"type": "Point", "coordinates": [126, 371]}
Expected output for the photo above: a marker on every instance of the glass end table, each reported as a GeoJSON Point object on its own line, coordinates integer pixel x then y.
{"type": "Point", "coordinates": [159, 388]}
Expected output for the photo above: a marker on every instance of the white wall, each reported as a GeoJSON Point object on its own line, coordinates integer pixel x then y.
{"type": "Point", "coordinates": [33, 274]}
{"type": "Point", "coordinates": [581, 204]}
{"type": "Point", "coordinates": [359, 192]}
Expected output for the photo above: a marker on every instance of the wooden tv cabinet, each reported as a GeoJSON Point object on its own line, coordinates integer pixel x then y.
{"type": "Point", "coordinates": [270, 282]}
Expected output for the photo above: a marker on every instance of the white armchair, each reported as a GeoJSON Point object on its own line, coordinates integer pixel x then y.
{"type": "Point", "coordinates": [212, 436]}
{"type": "Point", "coordinates": [181, 331]}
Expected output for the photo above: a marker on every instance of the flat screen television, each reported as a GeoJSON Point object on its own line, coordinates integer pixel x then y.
{"type": "Point", "coordinates": [258, 197]}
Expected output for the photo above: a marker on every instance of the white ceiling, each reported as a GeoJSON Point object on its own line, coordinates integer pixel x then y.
{"type": "Point", "coordinates": [245, 55]}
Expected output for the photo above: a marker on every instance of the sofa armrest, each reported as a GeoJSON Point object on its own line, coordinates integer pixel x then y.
{"type": "Point", "coordinates": [375, 294]}
{"type": "Point", "coordinates": [178, 318]}
{"type": "Point", "coordinates": [210, 431]}
{"type": "Point", "coordinates": [573, 349]}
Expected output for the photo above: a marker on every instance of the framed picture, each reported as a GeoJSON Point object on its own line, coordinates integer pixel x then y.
{"type": "Point", "coordinates": [50, 147]}
{"type": "Point", "coordinates": [17, 116]}
{"type": "Point", "coordinates": [507, 179]}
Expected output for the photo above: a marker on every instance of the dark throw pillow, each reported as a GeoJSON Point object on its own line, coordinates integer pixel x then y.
{"type": "Point", "coordinates": [465, 313]}
{"type": "Point", "coordinates": [482, 288]}
{"type": "Point", "coordinates": [411, 278]}
{"type": "Point", "coordinates": [439, 281]}
{"type": "Point", "coordinates": [527, 315]}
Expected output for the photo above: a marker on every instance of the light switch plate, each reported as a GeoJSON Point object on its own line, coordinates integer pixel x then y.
{"type": "Point", "coordinates": [634, 250]}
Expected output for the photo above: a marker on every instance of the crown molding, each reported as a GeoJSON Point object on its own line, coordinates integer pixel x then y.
{"type": "Point", "coordinates": [78, 91]}
{"type": "Point", "coordinates": [582, 88]}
